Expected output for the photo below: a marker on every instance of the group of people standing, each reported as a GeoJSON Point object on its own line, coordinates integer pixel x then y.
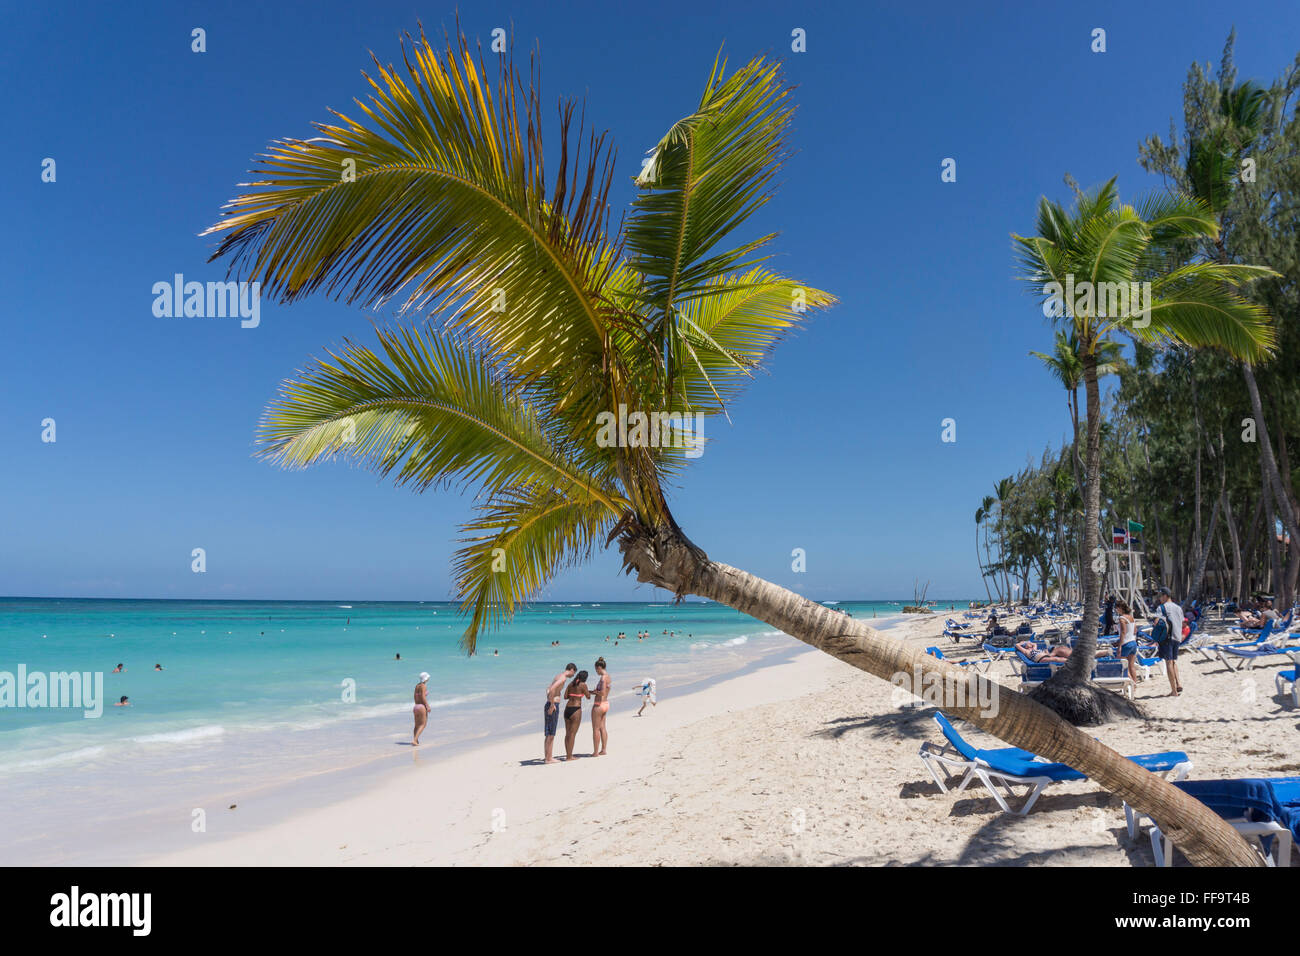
{"type": "Point", "coordinates": [1168, 632]}
{"type": "Point", "coordinates": [569, 688]}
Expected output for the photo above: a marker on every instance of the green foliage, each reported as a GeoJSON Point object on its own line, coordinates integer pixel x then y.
{"type": "Point", "coordinates": [543, 319]}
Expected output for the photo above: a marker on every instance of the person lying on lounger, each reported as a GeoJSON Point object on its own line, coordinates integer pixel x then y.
{"type": "Point", "coordinates": [1266, 613]}
{"type": "Point", "coordinates": [1030, 650]}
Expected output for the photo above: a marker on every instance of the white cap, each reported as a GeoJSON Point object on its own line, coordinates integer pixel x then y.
{"type": "Point", "coordinates": [424, 676]}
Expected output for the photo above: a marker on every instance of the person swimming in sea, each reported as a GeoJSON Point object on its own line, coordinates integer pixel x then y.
{"type": "Point", "coordinates": [118, 669]}
{"type": "Point", "coordinates": [421, 708]}
{"type": "Point", "coordinates": [124, 702]}
{"type": "Point", "coordinates": [157, 667]}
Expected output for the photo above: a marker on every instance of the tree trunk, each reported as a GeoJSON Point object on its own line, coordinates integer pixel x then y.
{"type": "Point", "coordinates": [1234, 537]}
{"type": "Point", "coordinates": [1155, 512]}
{"type": "Point", "coordinates": [1070, 691]}
{"type": "Point", "coordinates": [1074, 446]}
{"type": "Point", "coordinates": [988, 563]}
{"type": "Point", "coordinates": [1195, 589]}
{"type": "Point", "coordinates": [1064, 559]}
{"type": "Point", "coordinates": [665, 558]}
{"type": "Point", "coordinates": [1273, 478]}
{"type": "Point", "coordinates": [1196, 554]}
{"type": "Point", "coordinates": [984, 576]}
{"type": "Point", "coordinates": [1248, 552]}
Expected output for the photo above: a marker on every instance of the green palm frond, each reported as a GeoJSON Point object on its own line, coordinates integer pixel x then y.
{"type": "Point", "coordinates": [1206, 314]}
{"type": "Point", "coordinates": [1121, 246]}
{"type": "Point", "coordinates": [708, 174]}
{"type": "Point", "coordinates": [727, 333]}
{"type": "Point", "coordinates": [438, 195]}
{"type": "Point", "coordinates": [541, 326]}
{"type": "Point", "coordinates": [522, 537]}
{"type": "Point", "coordinates": [432, 409]}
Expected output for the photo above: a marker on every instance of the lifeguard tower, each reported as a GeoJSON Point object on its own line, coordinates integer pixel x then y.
{"type": "Point", "coordinates": [1125, 578]}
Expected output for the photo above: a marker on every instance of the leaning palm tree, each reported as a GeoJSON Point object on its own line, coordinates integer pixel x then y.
{"type": "Point", "coordinates": [1087, 264]}
{"type": "Point", "coordinates": [548, 333]}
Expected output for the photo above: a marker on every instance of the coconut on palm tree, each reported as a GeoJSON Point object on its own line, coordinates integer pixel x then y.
{"type": "Point", "coordinates": [1089, 264]}
{"type": "Point", "coordinates": [547, 323]}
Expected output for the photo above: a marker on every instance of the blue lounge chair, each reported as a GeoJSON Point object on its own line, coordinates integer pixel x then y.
{"type": "Point", "coordinates": [1264, 810]}
{"type": "Point", "coordinates": [1012, 767]}
{"type": "Point", "coordinates": [936, 652]}
{"type": "Point", "coordinates": [1282, 678]}
{"type": "Point", "coordinates": [1212, 651]}
{"type": "Point", "coordinates": [1111, 672]}
{"type": "Point", "coordinates": [1247, 656]}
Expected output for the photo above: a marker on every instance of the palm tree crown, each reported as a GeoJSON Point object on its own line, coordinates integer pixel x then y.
{"type": "Point", "coordinates": [546, 319]}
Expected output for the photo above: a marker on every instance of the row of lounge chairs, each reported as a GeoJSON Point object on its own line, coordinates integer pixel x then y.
{"type": "Point", "coordinates": [1266, 811]}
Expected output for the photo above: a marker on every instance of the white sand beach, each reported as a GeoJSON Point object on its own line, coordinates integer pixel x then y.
{"type": "Point", "coordinates": [806, 762]}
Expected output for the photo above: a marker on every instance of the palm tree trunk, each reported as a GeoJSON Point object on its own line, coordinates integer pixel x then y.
{"type": "Point", "coordinates": [1069, 691]}
{"type": "Point", "coordinates": [1197, 552]}
{"type": "Point", "coordinates": [665, 558]}
{"type": "Point", "coordinates": [1074, 447]}
{"type": "Point", "coordinates": [1155, 512]}
{"type": "Point", "coordinates": [1272, 477]}
{"type": "Point", "coordinates": [1235, 537]}
{"type": "Point", "coordinates": [1062, 558]}
{"type": "Point", "coordinates": [988, 563]}
{"type": "Point", "coordinates": [980, 566]}
{"type": "Point", "coordinates": [1197, 579]}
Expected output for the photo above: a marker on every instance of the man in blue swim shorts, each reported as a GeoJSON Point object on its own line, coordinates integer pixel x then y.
{"type": "Point", "coordinates": [551, 711]}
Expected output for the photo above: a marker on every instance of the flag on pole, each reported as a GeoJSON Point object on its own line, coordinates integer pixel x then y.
{"type": "Point", "coordinates": [1118, 535]}
{"type": "Point", "coordinates": [1134, 529]}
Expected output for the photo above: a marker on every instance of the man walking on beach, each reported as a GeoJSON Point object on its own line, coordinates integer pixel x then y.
{"type": "Point", "coordinates": [1168, 646]}
{"type": "Point", "coordinates": [551, 712]}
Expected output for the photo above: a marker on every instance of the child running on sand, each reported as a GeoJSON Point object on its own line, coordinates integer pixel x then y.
{"type": "Point", "coordinates": [647, 693]}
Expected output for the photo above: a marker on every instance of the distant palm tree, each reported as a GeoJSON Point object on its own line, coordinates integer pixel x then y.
{"type": "Point", "coordinates": [979, 520]}
{"type": "Point", "coordinates": [1003, 490]}
{"type": "Point", "coordinates": [987, 506]}
{"type": "Point", "coordinates": [549, 324]}
{"type": "Point", "coordinates": [1067, 368]}
{"type": "Point", "coordinates": [1197, 305]}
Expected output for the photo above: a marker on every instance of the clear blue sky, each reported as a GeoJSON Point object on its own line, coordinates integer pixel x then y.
{"type": "Point", "coordinates": [837, 452]}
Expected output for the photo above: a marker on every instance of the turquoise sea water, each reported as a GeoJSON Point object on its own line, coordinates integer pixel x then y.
{"type": "Point", "coordinates": [256, 694]}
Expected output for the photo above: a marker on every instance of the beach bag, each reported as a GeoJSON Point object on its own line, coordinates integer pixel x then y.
{"type": "Point", "coordinates": [1160, 630]}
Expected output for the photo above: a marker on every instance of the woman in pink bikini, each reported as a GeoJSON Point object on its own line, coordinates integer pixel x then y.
{"type": "Point", "coordinates": [600, 710]}
{"type": "Point", "coordinates": [421, 708]}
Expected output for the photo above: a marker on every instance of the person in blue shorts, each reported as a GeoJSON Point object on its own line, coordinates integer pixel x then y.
{"type": "Point", "coordinates": [551, 710]}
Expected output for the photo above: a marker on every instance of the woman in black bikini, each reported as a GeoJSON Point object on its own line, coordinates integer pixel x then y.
{"type": "Point", "coordinates": [573, 696]}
